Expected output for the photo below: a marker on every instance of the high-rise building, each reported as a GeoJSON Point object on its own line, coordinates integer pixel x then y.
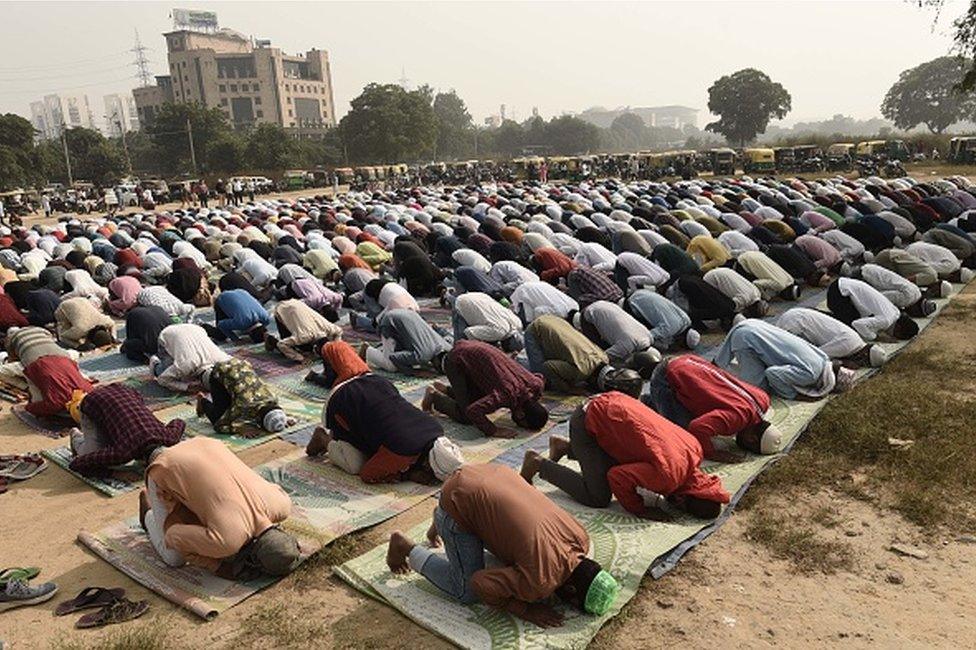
{"type": "Point", "coordinates": [250, 81]}
{"type": "Point", "coordinates": [54, 112]}
{"type": "Point", "coordinates": [120, 115]}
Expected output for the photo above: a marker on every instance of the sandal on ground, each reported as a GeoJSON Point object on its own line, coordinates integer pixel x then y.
{"type": "Point", "coordinates": [21, 468]}
{"type": "Point", "coordinates": [120, 611]}
{"type": "Point", "coordinates": [19, 573]}
{"type": "Point", "coordinates": [89, 598]}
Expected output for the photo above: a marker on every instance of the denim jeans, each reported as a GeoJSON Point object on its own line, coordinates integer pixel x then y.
{"type": "Point", "coordinates": [464, 555]}
{"type": "Point", "coordinates": [459, 326]}
{"type": "Point", "coordinates": [537, 358]}
{"type": "Point", "coordinates": [660, 397]}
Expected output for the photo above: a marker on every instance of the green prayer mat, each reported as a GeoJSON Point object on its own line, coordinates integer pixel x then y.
{"type": "Point", "coordinates": [120, 480]}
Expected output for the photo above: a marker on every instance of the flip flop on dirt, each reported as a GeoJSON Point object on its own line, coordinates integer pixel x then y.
{"type": "Point", "coordinates": [120, 611]}
{"type": "Point", "coordinates": [21, 468]}
{"type": "Point", "coordinates": [89, 598]}
{"type": "Point", "coordinates": [19, 573]}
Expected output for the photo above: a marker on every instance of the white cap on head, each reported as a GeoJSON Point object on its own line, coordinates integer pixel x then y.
{"type": "Point", "coordinates": [738, 319]}
{"type": "Point", "coordinates": [877, 356]}
{"type": "Point", "coordinates": [845, 380]}
{"type": "Point", "coordinates": [868, 257]}
{"type": "Point", "coordinates": [692, 338]}
{"type": "Point", "coordinates": [577, 320]}
{"type": "Point", "coordinates": [275, 420]}
{"type": "Point", "coordinates": [445, 458]}
{"type": "Point", "coordinates": [772, 440]}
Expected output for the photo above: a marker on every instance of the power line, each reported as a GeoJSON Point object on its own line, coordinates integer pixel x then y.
{"type": "Point", "coordinates": [25, 91]}
{"type": "Point", "coordinates": [66, 64]}
{"type": "Point", "coordinates": [67, 74]}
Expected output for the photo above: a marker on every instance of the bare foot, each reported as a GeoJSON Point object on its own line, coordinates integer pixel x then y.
{"type": "Point", "coordinates": [530, 465]}
{"type": "Point", "coordinates": [362, 350]}
{"type": "Point", "coordinates": [143, 507]}
{"type": "Point", "coordinates": [440, 387]}
{"type": "Point", "coordinates": [558, 447]}
{"type": "Point", "coordinates": [319, 443]}
{"type": "Point", "coordinates": [397, 553]}
{"type": "Point", "coordinates": [427, 403]}
{"type": "Point", "coordinates": [200, 401]}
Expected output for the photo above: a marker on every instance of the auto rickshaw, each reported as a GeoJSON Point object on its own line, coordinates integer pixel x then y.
{"type": "Point", "coordinates": [785, 159]}
{"type": "Point", "coordinates": [293, 179]}
{"type": "Point", "coordinates": [962, 150]}
{"type": "Point", "coordinates": [840, 156]}
{"type": "Point", "coordinates": [808, 158]}
{"type": "Point", "coordinates": [722, 161]}
{"type": "Point", "coordinates": [758, 160]}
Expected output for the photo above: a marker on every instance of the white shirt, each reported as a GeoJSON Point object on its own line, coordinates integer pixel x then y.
{"type": "Point", "coordinates": [487, 320]}
{"type": "Point", "coordinates": [850, 248]}
{"type": "Point", "coordinates": [892, 286]}
{"type": "Point", "coordinates": [940, 258]}
{"type": "Point", "coordinates": [595, 256]}
{"type": "Point", "coordinates": [469, 257]}
{"type": "Point", "coordinates": [192, 352]}
{"type": "Point", "coordinates": [510, 272]}
{"type": "Point", "coordinates": [737, 243]}
{"type": "Point", "coordinates": [833, 337]}
{"type": "Point", "coordinates": [742, 292]}
{"type": "Point", "coordinates": [540, 298]}
{"type": "Point", "coordinates": [261, 272]}
{"type": "Point", "coordinates": [638, 265]}
{"type": "Point", "coordinates": [877, 312]}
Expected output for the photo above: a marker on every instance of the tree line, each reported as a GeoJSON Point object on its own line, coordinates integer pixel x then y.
{"type": "Point", "coordinates": [389, 124]}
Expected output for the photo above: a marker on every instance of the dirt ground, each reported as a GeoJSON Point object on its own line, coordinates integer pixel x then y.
{"type": "Point", "coordinates": [731, 590]}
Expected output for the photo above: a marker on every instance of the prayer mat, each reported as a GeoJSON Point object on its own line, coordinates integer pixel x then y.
{"type": "Point", "coordinates": [110, 365]}
{"type": "Point", "coordinates": [248, 434]}
{"type": "Point", "coordinates": [52, 427]}
{"type": "Point", "coordinates": [328, 503]}
{"type": "Point", "coordinates": [126, 547]}
{"type": "Point", "coordinates": [627, 546]}
{"type": "Point", "coordinates": [122, 480]}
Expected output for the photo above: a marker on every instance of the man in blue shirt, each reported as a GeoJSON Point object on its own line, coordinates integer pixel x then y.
{"type": "Point", "coordinates": [237, 311]}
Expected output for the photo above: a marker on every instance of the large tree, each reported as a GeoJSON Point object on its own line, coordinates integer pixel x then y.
{"type": "Point", "coordinates": [454, 136]}
{"type": "Point", "coordinates": [269, 148]}
{"type": "Point", "coordinates": [928, 94]}
{"type": "Point", "coordinates": [17, 158]}
{"type": "Point", "coordinates": [389, 124]}
{"type": "Point", "coordinates": [168, 133]}
{"type": "Point", "coordinates": [571, 135]}
{"type": "Point", "coordinates": [628, 132]}
{"type": "Point", "coordinates": [745, 102]}
{"type": "Point", "coordinates": [508, 138]}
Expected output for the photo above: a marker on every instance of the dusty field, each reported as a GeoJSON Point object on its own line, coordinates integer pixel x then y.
{"type": "Point", "coordinates": [796, 565]}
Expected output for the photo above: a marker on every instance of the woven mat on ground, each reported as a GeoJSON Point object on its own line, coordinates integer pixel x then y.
{"type": "Point", "coordinates": [120, 481]}
{"type": "Point", "coordinates": [125, 546]}
{"type": "Point", "coordinates": [52, 427]}
{"type": "Point", "coordinates": [329, 503]}
{"type": "Point", "coordinates": [110, 365]}
{"type": "Point", "coordinates": [625, 545]}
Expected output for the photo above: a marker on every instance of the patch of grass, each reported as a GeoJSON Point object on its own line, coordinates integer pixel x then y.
{"type": "Point", "coordinates": [923, 395]}
{"type": "Point", "coordinates": [145, 636]}
{"type": "Point", "coordinates": [799, 544]}
{"type": "Point", "coordinates": [282, 625]}
{"type": "Point", "coordinates": [826, 516]}
{"type": "Point", "coordinates": [315, 568]}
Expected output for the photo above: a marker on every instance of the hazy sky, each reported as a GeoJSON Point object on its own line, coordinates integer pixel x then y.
{"type": "Point", "coordinates": [833, 57]}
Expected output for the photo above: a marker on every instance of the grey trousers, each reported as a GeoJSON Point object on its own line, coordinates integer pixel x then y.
{"type": "Point", "coordinates": [589, 486]}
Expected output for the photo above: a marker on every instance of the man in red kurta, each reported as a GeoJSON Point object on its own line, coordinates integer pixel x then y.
{"type": "Point", "coordinates": [708, 401]}
{"type": "Point", "coordinates": [626, 450]}
{"type": "Point", "coordinates": [552, 264]}
{"type": "Point", "coordinates": [53, 379]}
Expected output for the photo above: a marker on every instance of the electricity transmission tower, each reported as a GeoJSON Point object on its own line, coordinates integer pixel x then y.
{"type": "Point", "coordinates": [141, 63]}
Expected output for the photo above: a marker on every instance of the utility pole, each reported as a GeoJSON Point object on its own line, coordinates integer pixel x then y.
{"type": "Point", "coordinates": [67, 159]}
{"type": "Point", "coordinates": [193, 155]}
{"type": "Point", "coordinates": [125, 145]}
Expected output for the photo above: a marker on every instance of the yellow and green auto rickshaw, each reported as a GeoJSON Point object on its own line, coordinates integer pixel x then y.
{"type": "Point", "coordinates": [840, 156]}
{"type": "Point", "coordinates": [785, 159]}
{"type": "Point", "coordinates": [758, 160]}
{"type": "Point", "coordinates": [722, 161]}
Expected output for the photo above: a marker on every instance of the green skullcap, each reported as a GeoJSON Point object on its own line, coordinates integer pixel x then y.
{"type": "Point", "coordinates": [601, 594]}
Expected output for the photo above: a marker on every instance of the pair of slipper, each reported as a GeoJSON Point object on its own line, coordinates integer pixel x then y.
{"type": "Point", "coordinates": [20, 467]}
{"type": "Point", "coordinates": [113, 607]}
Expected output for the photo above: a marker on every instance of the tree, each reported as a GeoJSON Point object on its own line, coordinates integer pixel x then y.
{"type": "Point", "coordinates": [268, 148]}
{"type": "Point", "coordinates": [963, 39]}
{"type": "Point", "coordinates": [453, 125]}
{"type": "Point", "coordinates": [93, 158]}
{"type": "Point", "coordinates": [571, 135]}
{"type": "Point", "coordinates": [628, 132]}
{"type": "Point", "coordinates": [745, 101]}
{"type": "Point", "coordinates": [168, 133]}
{"type": "Point", "coordinates": [389, 124]}
{"type": "Point", "coordinates": [508, 138]}
{"type": "Point", "coordinates": [226, 154]}
{"type": "Point", "coordinates": [928, 94]}
{"type": "Point", "coordinates": [16, 152]}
